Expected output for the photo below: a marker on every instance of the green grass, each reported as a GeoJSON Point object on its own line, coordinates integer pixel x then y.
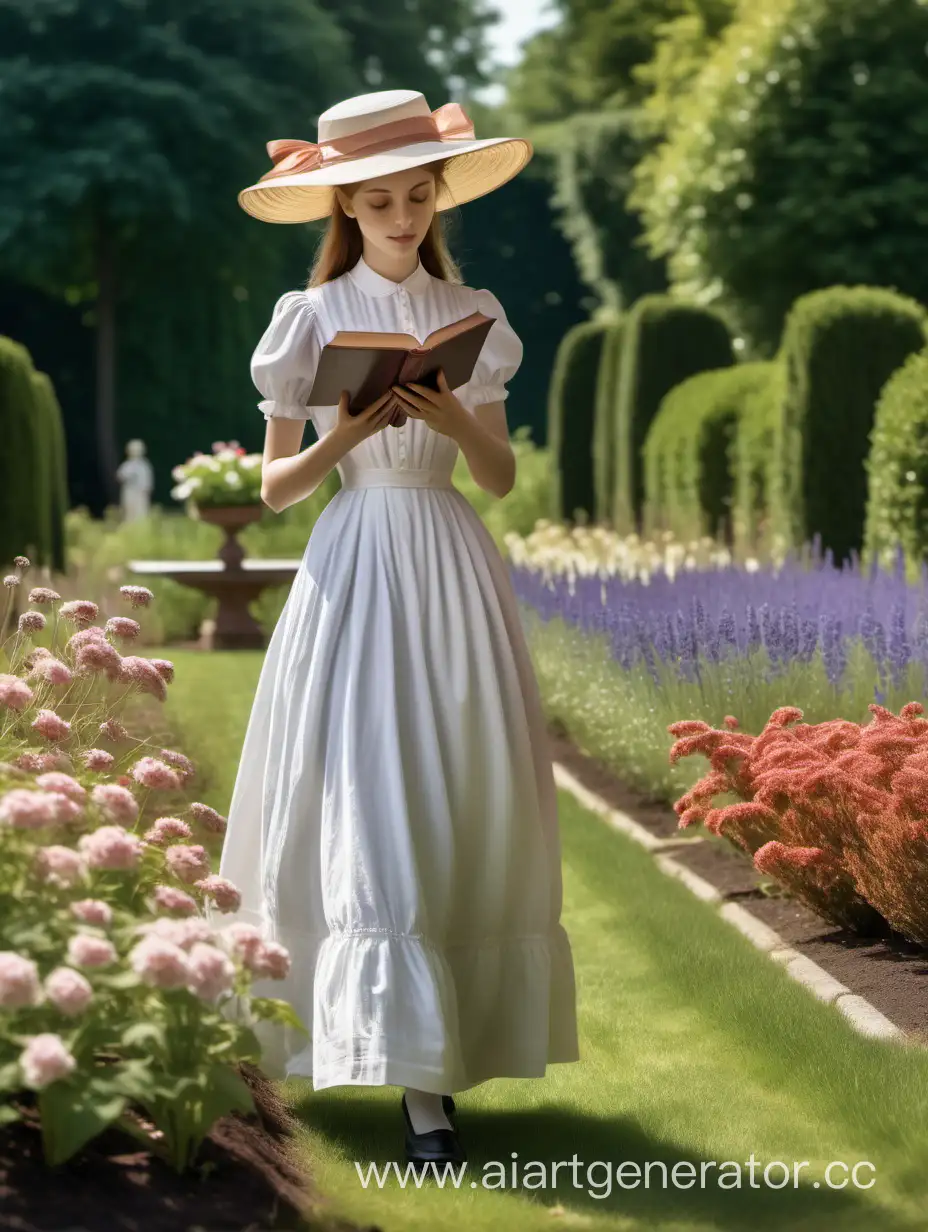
{"type": "Point", "coordinates": [694, 1047]}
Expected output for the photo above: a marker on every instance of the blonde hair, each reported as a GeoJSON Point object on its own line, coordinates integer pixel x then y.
{"type": "Point", "coordinates": [342, 243]}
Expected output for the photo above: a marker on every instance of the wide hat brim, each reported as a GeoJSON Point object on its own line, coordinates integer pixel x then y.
{"type": "Point", "coordinates": [475, 168]}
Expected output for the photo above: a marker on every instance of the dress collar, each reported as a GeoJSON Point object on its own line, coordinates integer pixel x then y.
{"type": "Point", "coordinates": [372, 283]}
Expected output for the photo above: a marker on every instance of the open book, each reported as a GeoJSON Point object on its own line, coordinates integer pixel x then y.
{"type": "Point", "coordinates": [368, 362]}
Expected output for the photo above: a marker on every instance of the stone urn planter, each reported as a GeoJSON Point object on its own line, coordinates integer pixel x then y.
{"type": "Point", "coordinates": [232, 519]}
{"type": "Point", "coordinates": [234, 580]}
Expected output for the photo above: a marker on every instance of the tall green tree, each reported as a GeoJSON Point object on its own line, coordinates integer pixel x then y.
{"type": "Point", "coordinates": [793, 160]}
{"type": "Point", "coordinates": [125, 119]}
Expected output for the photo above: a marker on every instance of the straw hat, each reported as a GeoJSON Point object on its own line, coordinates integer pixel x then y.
{"type": "Point", "coordinates": [372, 135]}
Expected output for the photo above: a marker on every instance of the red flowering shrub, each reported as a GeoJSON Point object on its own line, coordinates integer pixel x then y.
{"type": "Point", "coordinates": [837, 812]}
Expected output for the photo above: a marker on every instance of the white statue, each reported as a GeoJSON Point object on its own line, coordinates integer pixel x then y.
{"type": "Point", "coordinates": [137, 478]}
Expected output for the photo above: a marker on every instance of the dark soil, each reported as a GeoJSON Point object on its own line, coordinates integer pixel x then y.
{"type": "Point", "coordinates": [246, 1180]}
{"type": "Point", "coordinates": [891, 973]}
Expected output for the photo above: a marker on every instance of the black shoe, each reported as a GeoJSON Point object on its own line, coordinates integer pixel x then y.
{"type": "Point", "coordinates": [438, 1146]}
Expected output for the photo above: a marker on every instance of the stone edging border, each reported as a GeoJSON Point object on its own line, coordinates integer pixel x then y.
{"type": "Point", "coordinates": [863, 1016]}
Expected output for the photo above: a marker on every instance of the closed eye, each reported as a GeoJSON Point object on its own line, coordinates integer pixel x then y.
{"type": "Point", "coordinates": [416, 200]}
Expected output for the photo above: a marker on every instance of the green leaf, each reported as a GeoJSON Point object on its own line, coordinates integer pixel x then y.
{"type": "Point", "coordinates": [274, 1010]}
{"type": "Point", "coordinates": [11, 1078]}
{"type": "Point", "coordinates": [141, 1034]}
{"type": "Point", "coordinates": [226, 1091]}
{"type": "Point", "coordinates": [72, 1114]}
{"type": "Point", "coordinates": [9, 1114]}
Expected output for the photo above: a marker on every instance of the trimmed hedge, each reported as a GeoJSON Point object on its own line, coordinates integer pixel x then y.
{"type": "Point", "coordinates": [33, 468]}
{"type": "Point", "coordinates": [689, 466]}
{"type": "Point", "coordinates": [664, 342]}
{"type": "Point", "coordinates": [571, 409]}
{"type": "Point", "coordinates": [53, 468]}
{"type": "Point", "coordinates": [752, 460]}
{"type": "Point", "coordinates": [897, 504]}
{"type": "Point", "coordinates": [840, 347]}
{"type": "Point", "coordinates": [604, 415]}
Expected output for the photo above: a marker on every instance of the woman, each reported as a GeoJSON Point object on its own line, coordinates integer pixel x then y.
{"type": "Point", "coordinates": [393, 823]}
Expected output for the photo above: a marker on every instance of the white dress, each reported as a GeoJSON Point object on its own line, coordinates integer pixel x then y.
{"type": "Point", "coordinates": [394, 818]}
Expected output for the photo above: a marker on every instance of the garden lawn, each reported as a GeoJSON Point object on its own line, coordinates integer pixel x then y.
{"type": "Point", "coordinates": [694, 1047]}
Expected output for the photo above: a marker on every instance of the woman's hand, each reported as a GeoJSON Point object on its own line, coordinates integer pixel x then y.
{"type": "Point", "coordinates": [440, 409]}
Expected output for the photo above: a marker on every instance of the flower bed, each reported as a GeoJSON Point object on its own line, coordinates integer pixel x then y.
{"type": "Point", "coordinates": [116, 975]}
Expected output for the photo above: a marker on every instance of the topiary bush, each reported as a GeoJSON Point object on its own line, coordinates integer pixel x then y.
{"type": "Point", "coordinates": [839, 349]}
{"type": "Point", "coordinates": [604, 421]}
{"type": "Point", "coordinates": [897, 502]}
{"type": "Point", "coordinates": [19, 527]}
{"type": "Point", "coordinates": [571, 410]}
{"type": "Point", "coordinates": [51, 475]}
{"type": "Point", "coordinates": [688, 454]}
{"type": "Point", "coordinates": [752, 460]}
{"type": "Point", "coordinates": [663, 342]}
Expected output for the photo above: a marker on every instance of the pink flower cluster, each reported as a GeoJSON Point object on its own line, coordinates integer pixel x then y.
{"type": "Point", "coordinates": [117, 803]}
{"type": "Point", "coordinates": [15, 694]}
{"type": "Point", "coordinates": [138, 596]}
{"type": "Point", "coordinates": [110, 847]}
{"type": "Point", "coordinates": [45, 1060]}
{"type": "Point", "coordinates": [151, 772]}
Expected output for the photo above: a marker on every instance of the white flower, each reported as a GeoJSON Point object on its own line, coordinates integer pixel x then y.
{"type": "Point", "coordinates": [233, 479]}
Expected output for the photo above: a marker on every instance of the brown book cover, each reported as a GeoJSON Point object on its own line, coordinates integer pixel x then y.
{"type": "Point", "coordinates": [368, 362]}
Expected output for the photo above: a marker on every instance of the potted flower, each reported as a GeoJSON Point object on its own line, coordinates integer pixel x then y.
{"type": "Point", "coordinates": [222, 487]}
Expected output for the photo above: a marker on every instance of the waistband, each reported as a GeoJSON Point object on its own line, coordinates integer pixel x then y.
{"type": "Point", "coordinates": [385, 477]}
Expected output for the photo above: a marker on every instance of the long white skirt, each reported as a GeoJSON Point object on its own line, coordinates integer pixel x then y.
{"type": "Point", "coordinates": [394, 818]}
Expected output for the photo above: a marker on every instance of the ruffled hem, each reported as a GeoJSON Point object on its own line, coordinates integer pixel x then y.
{"type": "Point", "coordinates": [385, 1008]}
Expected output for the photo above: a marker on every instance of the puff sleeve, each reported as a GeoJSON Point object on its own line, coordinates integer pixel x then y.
{"type": "Point", "coordinates": [500, 357]}
{"type": "Point", "coordinates": [284, 361]}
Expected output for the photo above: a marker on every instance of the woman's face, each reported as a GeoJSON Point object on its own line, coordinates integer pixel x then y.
{"type": "Point", "coordinates": [391, 206]}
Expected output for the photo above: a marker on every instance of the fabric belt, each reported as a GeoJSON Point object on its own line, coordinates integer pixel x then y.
{"type": "Point", "coordinates": [385, 477]}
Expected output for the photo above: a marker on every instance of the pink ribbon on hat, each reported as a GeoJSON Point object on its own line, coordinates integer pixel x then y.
{"type": "Point", "coordinates": [449, 122]}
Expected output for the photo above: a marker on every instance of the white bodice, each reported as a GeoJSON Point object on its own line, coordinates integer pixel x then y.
{"type": "Point", "coordinates": [284, 363]}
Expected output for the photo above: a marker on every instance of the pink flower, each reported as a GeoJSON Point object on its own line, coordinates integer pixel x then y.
{"type": "Point", "coordinates": [79, 611]}
{"type": "Point", "coordinates": [113, 730]}
{"type": "Point", "coordinates": [83, 637]}
{"type": "Point", "coordinates": [24, 809]}
{"type": "Point", "coordinates": [123, 626]}
{"type": "Point", "coordinates": [93, 911]}
{"type": "Point", "coordinates": [224, 894]}
{"type": "Point", "coordinates": [160, 963]}
{"type": "Point", "coordinates": [31, 622]}
{"type": "Point", "coordinates": [138, 596]}
{"type": "Point", "coordinates": [54, 759]}
{"type": "Point", "coordinates": [52, 670]}
{"type": "Point", "coordinates": [85, 950]}
{"type": "Point", "coordinates": [19, 981]}
{"type": "Point", "coordinates": [139, 671]}
{"type": "Point", "coordinates": [44, 1060]}
{"type": "Point", "coordinates": [211, 972]}
{"type": "Point", "coordinates": [208, 817]}
{"type": "Point", "coordinates": [21, 562]}
{"type": "Point", "coordinates": [110, 847]}
{"type": "Point", "coordinates": [270, 960]}
{"type": "Point", "coordinates": [242, 940]}
{"type": "Point", "coordinates": [99, 656]}
{"type": "Point", "coordinates": [166, 828]}
{"type": "Point", "coordinates": [180, 763]}
{"type": "Point", "coordinates": [151, 772]}
{"type": "Point", "coordinates": [170, 898]}
{"type": "Point", "coordinates": [186, 862]}
{"type": "Point", "coordinates": [11, 580]}
{"type": "Point", "coordinates": [117, 803]}
{"type": "Point", "coordinates": [42, 594]}
{"type": "Point", "coordinates": [15, 694]}
{"type": "Point", "coordinates": [68, 990]}
{"type": "Point", "coordinates": [98, 759]}
{"type": "Point", "coordinates": [165, 668]}
{"type": "Point", "coordinates": [183, 933]}
{"type": "Point", "coordinates": [54, 780]}
{"type": "Point", "coordinates": [50, 726]}
{"type": "Point", "coordinates": [58, 865]}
